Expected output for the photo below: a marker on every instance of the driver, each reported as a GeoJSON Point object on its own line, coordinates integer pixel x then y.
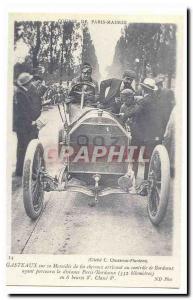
{"type": "Point", "coordinates": [85, 76]}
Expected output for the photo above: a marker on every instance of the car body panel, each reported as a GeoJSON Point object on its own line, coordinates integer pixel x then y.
{"type": "Point", "coordinates": [95, 129]}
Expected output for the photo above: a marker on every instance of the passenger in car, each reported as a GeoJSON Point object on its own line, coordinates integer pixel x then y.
{"type": "Point", "coordinates": [112, 99]}
{"type": "Point", "coordinates": [128, 105]}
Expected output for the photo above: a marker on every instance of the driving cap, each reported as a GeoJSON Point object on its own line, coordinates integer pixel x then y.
{"type": "Point", "coordinates": [24, 78]}
{"type": "Point", "coordinates": [128, 92]}
{"type": "Point", "coordinates": [149, 83]}
{"type": "Point", "coordinates": [86, 67]}
{"type": "Point", "coordinates": [130, 74]}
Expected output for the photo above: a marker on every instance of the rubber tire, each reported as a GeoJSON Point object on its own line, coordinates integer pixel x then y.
{"type": "Point", "coordinates": [26, 181]}
{"type": "Point", "coordinates": [165, 185]}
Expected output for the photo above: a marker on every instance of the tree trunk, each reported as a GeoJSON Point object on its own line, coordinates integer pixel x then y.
{"type": "Point", "coordinates": [37, 46]}
{"type": "Point", "coordinates": [51, 47]}
{"type": "Point", "coordinates": [62, 55]}
{"type": "Point", "coordinates": [144, 71]}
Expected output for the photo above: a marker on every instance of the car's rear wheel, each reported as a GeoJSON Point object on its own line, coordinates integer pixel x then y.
{"type": "Point", "coordinates": [33, 193]}
{"type": "Point", "coordinates": [159, 183]}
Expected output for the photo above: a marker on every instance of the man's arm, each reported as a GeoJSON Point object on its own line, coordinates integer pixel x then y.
{"type": "Point", "coordinates": [72, 96]}
{"type": "Point", "coordinates": [73, 82]}
{"type": "Point", "coordinates": [138, 107]}
{"type": "Point", "coordinates": [96, 87]}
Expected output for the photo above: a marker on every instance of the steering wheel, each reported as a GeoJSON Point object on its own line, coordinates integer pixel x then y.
{"type": "Point", "coordinates": [83, 86]}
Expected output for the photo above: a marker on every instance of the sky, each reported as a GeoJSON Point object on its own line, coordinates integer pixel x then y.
{"type": "Point", "coordinates": [104, 38]}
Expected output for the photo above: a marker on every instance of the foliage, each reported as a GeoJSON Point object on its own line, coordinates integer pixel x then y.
{"type": "Point", "coordinates": [55, 45]}
{"type": "Point", "coordinates": [149, 49]}
{"type": "Point", "coordinates": [88, 51]}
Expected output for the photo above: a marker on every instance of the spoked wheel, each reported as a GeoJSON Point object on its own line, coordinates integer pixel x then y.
{"type": "Point", "coordinates": [159, 182]}
{"type": "Point", "coordinates": [33, 192]}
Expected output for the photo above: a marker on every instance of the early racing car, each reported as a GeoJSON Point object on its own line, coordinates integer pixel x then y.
{"type": "Point", "coordinates": [94, 150]}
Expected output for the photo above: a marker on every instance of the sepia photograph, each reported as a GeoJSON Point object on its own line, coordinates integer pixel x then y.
{"type": "Point", "coordinates": [94, 167]}
{"type": "Point", "coordinates": [93, 137]}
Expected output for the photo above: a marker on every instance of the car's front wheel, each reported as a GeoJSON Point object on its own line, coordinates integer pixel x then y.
{"type": "Point", "coordinates": [159, 183]}
{"type": "Point", "coordinates": [33, 192]}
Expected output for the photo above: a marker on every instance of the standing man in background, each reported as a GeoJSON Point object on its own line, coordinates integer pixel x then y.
{"type": "Point", "coordinates": [166, 101]}
{"type": "Point", "coordinates": [147, 122]}
{"type": "Point", "coordinates": [26, 110]}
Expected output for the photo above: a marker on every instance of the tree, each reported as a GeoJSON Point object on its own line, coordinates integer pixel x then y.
{"type": "Point", "coordinates": [36, 48]}
{"type": "Point", "coordinates": [56, 46]}
{"type": "Point", "coordinates": [88, 51]}
{"type": "Point", "coordinates": [18, 31]}
{"type": "Point", "coordinates": [167, 51]}
{"type": "Point", "coordinates": [51, 46]}
{"type": "Point", "coordinates": [66, 54]}
{"type": "Point", "coordinates": [149, 49]}
{"type": "Point", "coordinates": [32, 36]}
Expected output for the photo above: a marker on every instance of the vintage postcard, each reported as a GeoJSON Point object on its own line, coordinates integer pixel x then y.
{"type": "Point", "coordinates": [95, 107]}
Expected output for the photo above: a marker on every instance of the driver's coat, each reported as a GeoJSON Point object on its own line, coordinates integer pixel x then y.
{"type": "Point", "coordinates": [75, 110]}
